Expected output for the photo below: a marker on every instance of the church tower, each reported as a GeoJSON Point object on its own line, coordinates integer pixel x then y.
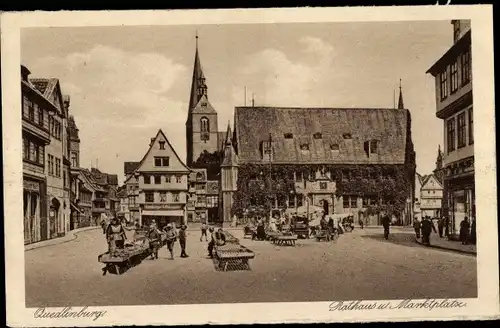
{"type": "Point", "coordinates": [229, 176]}
{"type": "Point", "coordinates": [201, 124]}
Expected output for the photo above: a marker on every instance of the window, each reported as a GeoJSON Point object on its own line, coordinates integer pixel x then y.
{"type": "Point", "coordinates": [40, 116]}
{"type": "Point", "coordinates": [298, 176]}
{"type": "Point", "coordinates": [150, 197]}
{"type": "Point", "coordinates": [317, 135]}
{"type": "Point", "coordinates": [291, 200]}
{"type": "Point", "coordinates": [64, 178]}
{"type": "Point", "coordinates": [163, 197]}
{"type": "Point", "coordinates": [288, 135]}
{"type": "Point", "coordinates": [281, 201]}
{"type": "Point", "coordinates": [322, 185]}
{"type": "Point", "coordinates": [51, 164]}
{"type": "Point", "coordinates": [335, 147]}
{"type": "Point", "coordinates": [471, 126]}
{"type": "Point", "coordinates": [443, 80]}
{"type": "Point", "coordinates": [31, 111]}
{"type": "Point", "coordinates": [454, 76]}
{"type": "Point", "coordinates": [58, 167]}
{"type": "Point", "coordinates": [176, 197]}
{"type": "Point", "coordinates": [300, 200]}
{"type": "Point", "coordinates": [267, 147]}
{"type": "Point", "coordinates": [304, 146]}
{"type": "Point", "coordinates": [26, 148]}
{"type": "Point", "coordinates": [461, 130]}
{"type": "Point", "coordinates": [347, 136]}
{"type": "Point", "coordinates": [212, 201]}
{"type": "Point", "coordinates": [41, 155]}
{"type": "Point", "coordinates": [373, 147]}
{"type": "Point", "coordinates": [73, 160]}
{"type": "Point", "coordinates": [34, 203]}
{"type": "Point", "coordinates": [157, 179]}
{"type": "Point", "coordinates": [346, 201]}
{"type": "Point", "coordinates": [162, 161]}
{"type": "Point", "coordinates": [204, 125]}
{"type": "Point", "coordinates": [466, 67]}
{"type": "Point", "coordinates": [450, 131]}
{"type": "Point", "coordinates": [178, 178]}
{"type": "Point", "coordinates": [162, 145]}
{"type": "Point", "coordinates": [147, 179]}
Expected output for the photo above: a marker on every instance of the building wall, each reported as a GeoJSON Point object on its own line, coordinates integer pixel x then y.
{"type": "Point", "coordinates": [197, 144]}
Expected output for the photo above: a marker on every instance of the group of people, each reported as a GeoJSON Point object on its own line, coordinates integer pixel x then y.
{"type": "Point", "coordinates": [116, 236]}
{"type": "Point", "coordinates": [331, 226]}
{"type": "Point", "coordinates": [424, 228]}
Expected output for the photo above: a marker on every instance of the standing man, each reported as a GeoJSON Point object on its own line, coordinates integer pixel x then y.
{"type": "Point", "coordinates": [446, 226]}
{"type": "Point", "coordinates": [440, 227]}
{"type": "Point", "coordinates": [211, 243]}
{"type": "Point", "coordinates": [182, 240]}
{"type": "Point", "coordinates": [171, 236]}
{"type": "Point", "coordinates": [154, 236]}
{"type": "Point", "coordinates": [386, 223]}
{"type": "Point", "coordinates": [416, 226]}
{"type": "Point", "coordinates": [204, 229]}
{"type": "Point", "coordinates": [464, 231]}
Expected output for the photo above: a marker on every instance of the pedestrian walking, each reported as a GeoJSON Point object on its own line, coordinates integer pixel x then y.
{"type": "Point", "coordinates": [154, 237]}
{"type": "Point", "coordinates": [171, 236]}
{"type": "Point", "coordinates": [427, 227]}
{"type": "Point", "coordinates": [361, 223]}
{"type": "Point", "coordinates": [417, 226]}
{"type": "Point", "coordinates": [386, 223]}
{"type": "Point", "coordinates": [440, 227]}
{"type": "Point", "coordinates": [204, 229]}
{"type": "Point", "coordinates": [182, 240]}
{"type": "Point", "coordinates": [211, 243]}
{"type": "Point", "coordinates": [464, 231]}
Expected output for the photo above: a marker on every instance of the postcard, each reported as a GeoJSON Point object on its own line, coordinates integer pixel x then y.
{"type": "Point", "coordinates": [249, 166]}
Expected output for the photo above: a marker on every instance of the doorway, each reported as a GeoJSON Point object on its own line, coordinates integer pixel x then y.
{"type": "Point", "coordinates": [326, 207]}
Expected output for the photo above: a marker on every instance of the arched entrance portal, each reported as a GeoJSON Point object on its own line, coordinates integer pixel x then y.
{"type": "Point", "coordinates": [55, 206]}
{"type": "Point", "coordinates": [326, 207]}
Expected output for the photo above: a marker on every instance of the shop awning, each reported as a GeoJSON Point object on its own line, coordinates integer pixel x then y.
{"type": "Point", "coordinates": [164, 213]}
{"type": "Point", "coordinates": [76, 208]}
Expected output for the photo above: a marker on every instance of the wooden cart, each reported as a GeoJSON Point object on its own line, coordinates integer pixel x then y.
{"type": "Point", "coordinates": [234, 255]}
{"type": "Point", "coordinates": [122, 260]}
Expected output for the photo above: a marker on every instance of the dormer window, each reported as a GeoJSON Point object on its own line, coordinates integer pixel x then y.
{"type": "Point", "coordinates": [334, 147]}
{"type": "Point", "coordinates": [288, 135]}
{"type": "Point", "coordinates": [317, 135]}
{"type": "Point", "coordinates": [347, 136]}
{"type": "Point", "coordinates": [371, 147]}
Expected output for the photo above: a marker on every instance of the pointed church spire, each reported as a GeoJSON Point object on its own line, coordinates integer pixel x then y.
{"type": "Point", "coordinates": [400, 102]}
{"type": "Point", "coordinates": [229, 134]}
{"type": "Point", "coordinates": [198, 86]}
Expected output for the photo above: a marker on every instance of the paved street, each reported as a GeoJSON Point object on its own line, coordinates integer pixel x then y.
{"type": "Point", "coordinates": [361, 265]}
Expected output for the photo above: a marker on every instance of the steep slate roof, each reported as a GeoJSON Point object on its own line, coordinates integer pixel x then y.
{"type": "Point", "coordinates": [221, 137]}
{"type": "Point", "coordinates": [427, 178]}
{"type": "Point", "coordinates": [389, 126]}
{"type": "Point", "coordinates": [212, 187]}
{"type": "Point", "coordinates": [129, 167]}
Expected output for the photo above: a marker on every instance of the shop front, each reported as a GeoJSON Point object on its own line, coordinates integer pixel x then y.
{"type": "Point", "coordinates": [162, 215]}
{"type": "Point", "coordinates": [35, 211]}
{"type": "Point", "coordinates": [461, 201]}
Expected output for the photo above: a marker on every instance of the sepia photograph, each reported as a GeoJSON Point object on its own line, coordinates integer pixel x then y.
{"type": "Point", "coordinates": [251, 163]}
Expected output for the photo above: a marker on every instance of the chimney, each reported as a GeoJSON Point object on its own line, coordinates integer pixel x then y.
{"type": "Point", "coordinates": [66, 101]}
{"type": "Point", "coordinates": [25, 72]}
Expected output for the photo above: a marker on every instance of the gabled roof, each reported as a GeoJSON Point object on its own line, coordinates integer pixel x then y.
{"type": "Point", "coordinates": [130, 167]}
{"type": "Point", "coordinates": [334, 126]}
{"type": "Point", "coordinates": [47, 86]}
{"type": "Point", "coordinates": [158, 134]}
{"type": "Point", "coordinates": [220, 140]}
{"type": "Point", "coordinates": [429, 178]}
{"type": "Point", "coordinates": [419, 177]}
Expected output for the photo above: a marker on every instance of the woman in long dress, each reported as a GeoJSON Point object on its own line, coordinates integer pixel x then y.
{"type": "Point", "coordinates": [115, 235]}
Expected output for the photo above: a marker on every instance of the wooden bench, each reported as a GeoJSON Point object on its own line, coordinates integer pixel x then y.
{"type": "Point", "coordinates": [283, 240]}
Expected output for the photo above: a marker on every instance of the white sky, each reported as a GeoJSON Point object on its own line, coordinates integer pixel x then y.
{"type": "Point", "coordinates": [127, 82]}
